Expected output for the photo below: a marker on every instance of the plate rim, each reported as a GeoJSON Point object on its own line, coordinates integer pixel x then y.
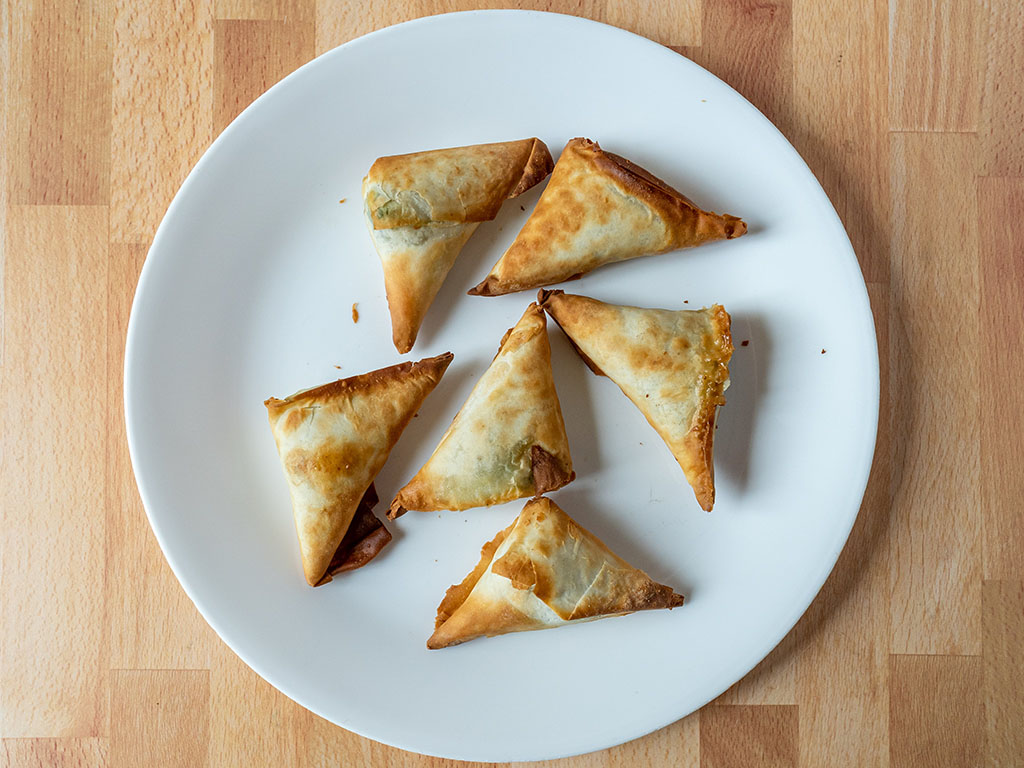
{"type": "Point", "coordinates": [846, 253]}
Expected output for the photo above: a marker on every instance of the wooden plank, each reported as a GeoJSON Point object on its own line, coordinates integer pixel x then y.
{"type": "Point", "coordinates": [52, 639]}
{"type": "Point", "coordinates": [153, 624]}
{"type": "Point", "coordinates": [1003, 644]}
{"type": "Point", "coordinates": [1001, 209]}
{"type": "Point", "coordinates": [840, 116]}
{"type": "Point", "coordinates": [250, 56]}
{"type": "Point", "coordinates": [740, 737]}
{"type": "Point", "coordinates": [1002, 105]}
{"type": "Point", "coordinates": [320, 742]}
{"type": "Point", "coordinates": [934, 65]}
{"type": "Point", "coordinates": [281, 10]}
{"type": "Point", "coordinates": [936, 543]}
{"type": "Point", "coordinates": [677, 745]}
{"type": "Point", "coordinates": [159, 717]}
{"type": "Point", "coordinates": [678, 23]}
{"type": "Point", "coordinates": [163, 108]}
{"type": "Point", "coordinates": [251, 723]}
{"type": "Point", "coordinates": [831, 93]}
{"type": "Point", "coordinates": [842, 671]}
{"type": "Point", "coordinates": [54, 753]}
{"type": "Point", "coordinates": [338, 21]}
{"type": "Point", "coordinates": [749, 45]}
{"type": "Point", "coordinates": [59, 104]}
{"type": "Point", "coordinates": [5, 145]}
{"type": "Point", "coordinates": [773, 681]}
{"type": "Point", "coordinates": [936, 716]}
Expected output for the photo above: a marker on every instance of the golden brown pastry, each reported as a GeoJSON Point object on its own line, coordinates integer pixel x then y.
{"type": "Point", "coordinates": [422, 208]}
{"type": "Point", "coordinates": [545, 570]}
{"type": "Point", "coordinates": [508, 440]}
{"type": "Point", "coordinates": [333, 440]}
{"type": "Point", "coordinates": [673, 365]}
{"type": "Point", "coordinates": [600, 208]}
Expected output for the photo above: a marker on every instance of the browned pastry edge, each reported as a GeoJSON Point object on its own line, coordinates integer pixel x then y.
{"type": "Point", "coordinates": [548, 472]}
{"type": "Point", "coordinates": [523, 573]}
{"type": "Point", "coordinates": [701, 436]}
{"type": "Point", "coordinates": [542, 298]}
{"type": "Point", "coordinates": [457, 593]}
{"type": "Point", "coordinates": [673, 206]}
{"type": "Point", "coordinates": [365, 538]}
{"type": "Point", "coordinates": [699, 439]}
{"type": "Point", "coordinates": [532, 306]}
{"type": "Point", "coordinates": [367, 549]}
{"type": "Point", "coordinates": [404, 336]}
{"type": "Point", "coordinates": [492, 286]}
{"type": "Point", "coordinates": [436, 365]}
{"type": "Point", "coordinates": [648, 187]}
{"type": "Point", "coordinates": [552, 471]}
{"type": "Point", "coordinates": [370, 535]}
{"type": "Point", "coordinates": [538, 167]}
{"type": "Point", "coordinates": [654, 596]}
{"type": "Point", "coordinates": [396, 510]}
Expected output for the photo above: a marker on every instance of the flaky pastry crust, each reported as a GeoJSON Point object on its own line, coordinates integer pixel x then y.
{"type": "Point", "coordinates": [673, 365]}
{"type": "Point", "coordinates": [597, 209]}
{"type": "Point", "coordinates": [543, 571]}
{"type": "Point", "coordinates": [333, 440]}
{"type": "Point", "coordinates": [507, 441]}
{"type": "Point", "coordinates": [422, 208]}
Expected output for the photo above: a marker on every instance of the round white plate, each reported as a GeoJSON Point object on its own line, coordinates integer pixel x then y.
{"type": "Point", "coordinates": [247, 293]}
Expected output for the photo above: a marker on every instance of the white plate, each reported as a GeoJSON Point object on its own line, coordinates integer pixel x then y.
{"type": "Point", "coordinates": [247, 293]}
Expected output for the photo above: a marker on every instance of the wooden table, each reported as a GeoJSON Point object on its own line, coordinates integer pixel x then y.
{"type": "Point", "coordinates": [910, 115]}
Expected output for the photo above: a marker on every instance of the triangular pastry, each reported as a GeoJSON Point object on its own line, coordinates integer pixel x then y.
{"type": "Point", "coordinates": [543, 571]}
{"type": "Point", "coordinates": [600, 208]}
{"type": "Point", "coordinates": [674, 365]}
{"type": "Point", "coordinates": [333, 440]}
{"type": "Point", "coordinates": [507, 441]}
{"type": "Point", "coordinates": [422, 208]}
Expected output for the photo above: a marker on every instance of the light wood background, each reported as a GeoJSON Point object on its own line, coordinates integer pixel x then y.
{"type": "Point", "coordinates": [910, 113]}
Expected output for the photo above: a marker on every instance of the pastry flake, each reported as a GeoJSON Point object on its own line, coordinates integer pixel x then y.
{"type": "Point", "coordinates": [507, 441]}
{"type": "Point", "coordinates": [421, 209]}
{"type": "Point", "coordinates": [597, 209]}
{"type": "Point", "coordinates": [673, 365]}
{"type": "Point", "coordinates": [543, 571]}
{"type": "Point", "coordinates": [333, 440]}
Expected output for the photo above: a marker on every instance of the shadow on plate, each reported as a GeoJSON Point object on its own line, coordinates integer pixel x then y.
{"type": "Point", "coordinates": [749, 373]}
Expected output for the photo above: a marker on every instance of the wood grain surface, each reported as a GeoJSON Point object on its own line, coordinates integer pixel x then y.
{"type": "Point", "coordinates": [910, 114]}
